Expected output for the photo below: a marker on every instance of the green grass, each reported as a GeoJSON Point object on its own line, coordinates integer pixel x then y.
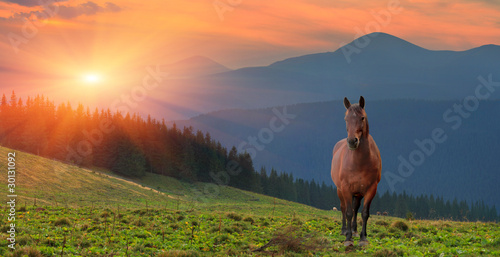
{"type": "Point", "coordinates": [45, 182]}
{"type": "Point", "coordinates": [95, 213]}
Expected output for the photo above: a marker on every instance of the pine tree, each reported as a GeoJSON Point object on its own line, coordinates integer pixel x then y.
{"type": "Point", "coordinates": [129, 159]}
{"type": "Point", "coordinates": [13, 100]}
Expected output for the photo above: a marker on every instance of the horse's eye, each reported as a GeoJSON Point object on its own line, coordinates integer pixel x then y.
{"type": "Point", "coordinates": [362, 118]}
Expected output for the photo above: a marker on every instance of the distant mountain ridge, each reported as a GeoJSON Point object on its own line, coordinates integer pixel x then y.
{"type": "Point", "coordinates": [371, 48]}
{"type": "Point", "coordinates": [366, 50]}
{"type": "Point", "coordinates": [195, 66]}
{"type": "Point", "coordinates": [382, 67]}
{"type": "Point", "coordinates": [387, 64]}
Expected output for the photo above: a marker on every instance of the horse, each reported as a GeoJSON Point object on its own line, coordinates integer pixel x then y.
{"type": "Point", "coordinates": [356, 170]}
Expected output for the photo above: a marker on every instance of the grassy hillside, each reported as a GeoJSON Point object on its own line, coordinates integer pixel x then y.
{"type": "Point", "coordinates": [93, 213]}
{"type": "Point", "coordinates": [46, 182]}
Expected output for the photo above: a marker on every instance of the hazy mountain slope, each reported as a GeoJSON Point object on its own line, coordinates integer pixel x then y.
{"type": "Point", "coordinates": [194, 66]}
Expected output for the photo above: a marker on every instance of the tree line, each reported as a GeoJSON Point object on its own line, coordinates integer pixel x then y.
{"type": "Point", "coordinates": [130, 145]}
{"type": "Point", "coordinates": [400, 205]}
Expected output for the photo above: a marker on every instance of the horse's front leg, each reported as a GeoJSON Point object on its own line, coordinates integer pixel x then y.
{"type": "Point", "coordinates": [344, 229]}
{"type": "Point", "coordinates": [366, 214]}
{"type": "Point", "coordinates": [356, 202]}
{"type": "Point", "coordinates": [349, 214]}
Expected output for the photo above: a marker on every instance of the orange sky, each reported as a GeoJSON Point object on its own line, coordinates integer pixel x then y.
{"type": "Point", "coordinates": [117, 39]}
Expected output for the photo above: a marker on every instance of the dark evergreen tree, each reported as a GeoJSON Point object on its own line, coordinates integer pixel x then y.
{"type": "Point", "coordinates": [129, 159]}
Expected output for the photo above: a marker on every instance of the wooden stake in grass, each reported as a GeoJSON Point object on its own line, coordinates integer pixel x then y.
{"type": "Point", "coordinates": [105, 225]}
{"type": "Point", "coordinates": [72, 232]}
{"type": "Point", "coordinates": [220, 223]}
{"type": "Point", "coordinates": [1, 217]}
{"type": "Point", "coordinates": [274, 207]}
{"type": "Point", "coordinates": [114, 221]}
{"type": "Point", "coordinates": [194, 224]}
{"type": "Point", "coordinates": [126, 249]}
{"type": "Point", "coordinates": [63, 245]}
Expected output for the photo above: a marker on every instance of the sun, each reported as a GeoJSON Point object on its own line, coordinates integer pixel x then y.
{"type": "Point", "coordinates": [91, 78]}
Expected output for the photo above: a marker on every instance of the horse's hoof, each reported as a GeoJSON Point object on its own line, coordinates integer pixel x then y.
{"type": "Point", "coordinates": [364, 242]}
{"type": "Point", "coordinates": [348, 243]}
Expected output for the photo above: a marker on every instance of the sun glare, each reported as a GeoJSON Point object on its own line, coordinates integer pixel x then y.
{"type": "Point", "coordinates": [91, 78]}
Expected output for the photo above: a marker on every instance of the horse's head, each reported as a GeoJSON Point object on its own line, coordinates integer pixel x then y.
{"type": "Point", "coordinates": [356, 123]}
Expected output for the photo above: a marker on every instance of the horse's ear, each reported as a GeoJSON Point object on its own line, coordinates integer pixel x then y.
{"type": "Point", "coordinates": [347, 104]}
{"type": "Point", "coordinates": [362, 102]}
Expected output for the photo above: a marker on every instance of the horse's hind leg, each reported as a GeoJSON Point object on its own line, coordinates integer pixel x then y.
{"type": "Point", "coordinates": [342, 208]}
{"type": "Point", "coordinates": [356, 202]}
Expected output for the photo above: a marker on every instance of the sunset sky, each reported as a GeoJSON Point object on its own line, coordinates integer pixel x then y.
{"type": "Point", "coordinates": [77, 44]}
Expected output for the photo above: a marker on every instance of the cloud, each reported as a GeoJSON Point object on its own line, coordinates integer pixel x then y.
{"type": "Point", "coordinates": [491, 2]}
{"type": "Point", "coordinates": [88, 8]}
{"type": "Point", "coordinates": [63, 11]}
{"type": "Point", "coordinates": [31, 3]}
{"type": "Point", "coordinates": [112, 7]}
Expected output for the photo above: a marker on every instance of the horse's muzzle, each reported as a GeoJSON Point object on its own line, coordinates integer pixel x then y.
{"type": "Point", "coordinates": [352, 143]}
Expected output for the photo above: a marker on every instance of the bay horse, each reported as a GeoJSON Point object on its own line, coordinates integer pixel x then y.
{"type": "Point", "coordinates": [356, 170]}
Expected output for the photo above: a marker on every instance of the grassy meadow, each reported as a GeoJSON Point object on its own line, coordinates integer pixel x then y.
{"type": "Point", "coordinates": [64, 210]}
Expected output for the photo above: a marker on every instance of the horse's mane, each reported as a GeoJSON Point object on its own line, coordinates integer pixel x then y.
{"type": "Point", "coordinates": [359, 111]}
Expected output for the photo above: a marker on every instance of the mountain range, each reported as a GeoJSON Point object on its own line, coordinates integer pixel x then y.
{"type": "Point", "coordinates": [377, 66]}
